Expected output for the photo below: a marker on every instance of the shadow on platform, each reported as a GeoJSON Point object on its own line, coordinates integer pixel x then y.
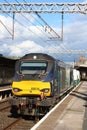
{"type": "Point", "coordinates": [79, 95]}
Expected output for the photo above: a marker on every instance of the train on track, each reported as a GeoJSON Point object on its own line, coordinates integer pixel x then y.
{"type": "Point", "coordinates": [39, 82]}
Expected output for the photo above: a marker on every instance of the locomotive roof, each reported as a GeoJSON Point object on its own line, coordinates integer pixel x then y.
{"type": "Point", "coordinates": [42, 56]}
{"type": "Point", "coordinates": [37, 56]}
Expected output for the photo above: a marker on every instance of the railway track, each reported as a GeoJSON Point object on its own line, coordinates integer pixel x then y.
{"type": "Point", "coordinates": [4, 105]}
{"type": "Point", "coordinates": [8, 122]}
{"type": "Point", "coordinates": [20, 124]}
{"type": "Point", "coordinates": [15, 123]}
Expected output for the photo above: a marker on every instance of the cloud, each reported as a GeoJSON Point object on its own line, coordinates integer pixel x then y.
{"type": "Point", "coordinates": [76, 33]}
{"type": "Point", "coordinates": [29, 38]}
{"type": "Point", "coordinates": [24, 47]}
{"type": "Point", "coordinates": [19, 49]}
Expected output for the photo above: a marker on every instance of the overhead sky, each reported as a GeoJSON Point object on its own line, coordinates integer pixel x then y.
{"type": "Point", "coordinates": [32, 35]}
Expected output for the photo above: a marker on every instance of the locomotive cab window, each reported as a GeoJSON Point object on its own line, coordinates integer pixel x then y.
{"type": "Point", "coordinates": [33, 67]}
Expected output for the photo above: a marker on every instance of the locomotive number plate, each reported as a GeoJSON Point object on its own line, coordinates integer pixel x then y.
{"type": "Point", "coordinates": [34, 88]}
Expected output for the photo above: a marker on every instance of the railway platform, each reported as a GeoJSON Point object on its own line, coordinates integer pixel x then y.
{"type": "Point", "coordinates": [69, 114]}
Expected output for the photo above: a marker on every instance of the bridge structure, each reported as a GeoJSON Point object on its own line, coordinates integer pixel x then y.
{"type": "Point", "coordinates": [45, 8]}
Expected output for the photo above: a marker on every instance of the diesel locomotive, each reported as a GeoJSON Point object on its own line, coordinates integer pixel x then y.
{"type": "Point", "coordinates": [39, 82]}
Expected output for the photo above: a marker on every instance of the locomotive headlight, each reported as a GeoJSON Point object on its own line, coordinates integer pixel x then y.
{"type": "Point", "coordinates": [46, 90]}
{"type": "Point", "coordinates": [16, 90]}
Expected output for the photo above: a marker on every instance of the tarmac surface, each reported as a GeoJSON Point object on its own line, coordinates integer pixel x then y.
{"type": "Point", "coordinates": [70, 114]}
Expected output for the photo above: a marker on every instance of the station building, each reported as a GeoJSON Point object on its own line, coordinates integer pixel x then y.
{"type": "Point", "coordinates": [81, 65]}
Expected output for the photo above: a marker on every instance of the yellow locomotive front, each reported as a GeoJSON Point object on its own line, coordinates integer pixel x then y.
{"type": "Point", "coordinates": [32, 83]}
{"type": "Point", "coordinates": [31, 88]}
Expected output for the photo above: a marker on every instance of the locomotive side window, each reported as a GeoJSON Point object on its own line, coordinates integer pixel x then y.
{"type": "Point", "coordinates": [33, 67]}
